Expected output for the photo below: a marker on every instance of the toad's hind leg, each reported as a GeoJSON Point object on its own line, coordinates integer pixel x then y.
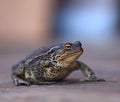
{"type": "Point", "coordinates": [18, 81]}
{"type": "Point", "coordinates": [18, 75]}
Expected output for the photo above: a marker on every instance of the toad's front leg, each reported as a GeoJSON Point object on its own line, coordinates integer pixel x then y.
{"type": "Point", "coordinates": [87, 72]}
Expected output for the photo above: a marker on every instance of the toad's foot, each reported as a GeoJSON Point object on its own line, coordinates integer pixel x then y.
{"type": "Point", "coordinates": [19, 82]}
{"type": "Point", "coordinates": [95, 79]}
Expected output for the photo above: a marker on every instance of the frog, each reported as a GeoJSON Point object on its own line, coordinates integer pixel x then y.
{"type": "Point", "coordinates": [50, 65]}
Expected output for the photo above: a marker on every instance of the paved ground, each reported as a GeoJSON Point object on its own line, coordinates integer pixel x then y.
{"type": "Point", "coordinates": [105, 65]}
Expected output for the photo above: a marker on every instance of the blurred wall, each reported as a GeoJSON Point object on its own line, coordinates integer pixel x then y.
{"type": "Point", "coordinates": [91, 21]}
{"type": "Point", "coordinates": [25, 22]}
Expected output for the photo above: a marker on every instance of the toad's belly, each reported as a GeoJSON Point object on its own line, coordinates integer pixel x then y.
{"type": "Point", "coordinates": [51, 74]}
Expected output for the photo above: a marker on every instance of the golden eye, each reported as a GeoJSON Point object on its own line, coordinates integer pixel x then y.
{"type": "Point", "coordinates": [68, 46]}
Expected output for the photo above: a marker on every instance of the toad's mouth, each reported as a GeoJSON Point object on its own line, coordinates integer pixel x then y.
{"type": "Point", "coordinates": [73, 56]}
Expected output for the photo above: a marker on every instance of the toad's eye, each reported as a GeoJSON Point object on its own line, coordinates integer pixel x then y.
{"type": "Point", "coordinates": [68, 46]}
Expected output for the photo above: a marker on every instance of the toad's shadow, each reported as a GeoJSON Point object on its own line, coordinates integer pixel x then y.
{"type": "Point", "coordinates": [74, 81]}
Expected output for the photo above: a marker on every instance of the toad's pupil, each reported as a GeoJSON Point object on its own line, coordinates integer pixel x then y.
{"type": "Point", "coordinates": [68, 47]}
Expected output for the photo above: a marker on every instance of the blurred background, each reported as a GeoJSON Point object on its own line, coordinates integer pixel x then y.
{"type": "Point", "coordinates": [26, 25]}
{"type": "Point", "coordinates": [33, 23]}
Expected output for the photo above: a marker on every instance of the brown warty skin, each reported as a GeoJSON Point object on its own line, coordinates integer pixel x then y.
{"type": "Point", "coordinates": [51, 65]}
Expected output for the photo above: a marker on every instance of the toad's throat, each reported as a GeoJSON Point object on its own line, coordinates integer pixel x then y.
{"type": "Point", "coordinates": [74, 55]}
